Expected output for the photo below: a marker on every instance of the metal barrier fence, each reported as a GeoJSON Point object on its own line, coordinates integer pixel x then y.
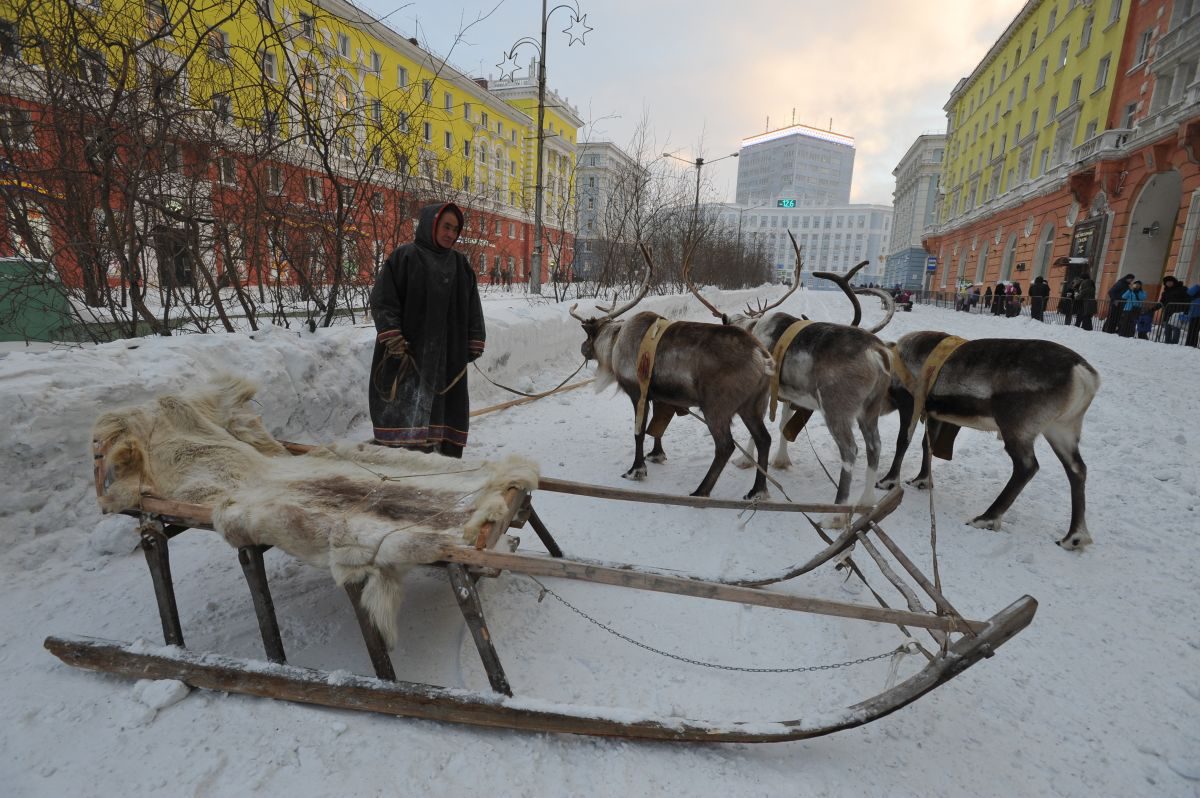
{"type": "Point", "coordinates": [1164, 324]}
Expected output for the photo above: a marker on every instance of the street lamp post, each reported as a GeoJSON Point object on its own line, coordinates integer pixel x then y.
{"type": "Point", "coordinates": [576, 34]}
{"type": "Point", "coordinates": [699, 164]}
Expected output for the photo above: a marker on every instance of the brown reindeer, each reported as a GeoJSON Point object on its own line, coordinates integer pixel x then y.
{"type": "Point", "coordinates": [1016, 388]}
{"type": "Point", "coordinates": [841, 370]}
{"type": "Point", "coordinates": [722, 370]}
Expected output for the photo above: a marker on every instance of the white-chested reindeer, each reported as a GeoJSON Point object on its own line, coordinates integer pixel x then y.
{"type": "Point", "coordinates": [1016, 388]}
{"type": "Point", "coordinates": [722, 370]}
{"type": "Point", "coordinates": [842, 370]}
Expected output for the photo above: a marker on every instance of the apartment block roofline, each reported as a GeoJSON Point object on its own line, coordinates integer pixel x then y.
{"type": "Point", "coordinates": [994, 51]}
{"type": "Point", "coordinates": [803, 130]}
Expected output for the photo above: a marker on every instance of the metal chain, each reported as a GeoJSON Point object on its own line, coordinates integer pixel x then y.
{"type": "Point", "coordinates": [904, 648]}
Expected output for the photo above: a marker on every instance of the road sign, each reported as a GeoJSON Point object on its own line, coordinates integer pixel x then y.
{"type": "Point", "coordinates": [931, 263]}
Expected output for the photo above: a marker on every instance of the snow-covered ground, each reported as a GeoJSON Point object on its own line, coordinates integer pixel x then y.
{"type": "Point", "coordinates": [1100, 696]}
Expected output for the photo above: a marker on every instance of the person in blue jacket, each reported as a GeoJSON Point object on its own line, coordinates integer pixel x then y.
{"type": "Point", "coordinates": [1193, 330]}
{"type": "Point", "coordinates": [1133, 309]}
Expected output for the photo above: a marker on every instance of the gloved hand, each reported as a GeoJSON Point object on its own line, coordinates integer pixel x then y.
{"type": "Point", "coordinates": [396, 347]}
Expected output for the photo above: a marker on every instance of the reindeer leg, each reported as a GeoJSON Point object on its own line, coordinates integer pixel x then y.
{"type": "Point", "coordinates": [869, 427]}
{"type": "Point", "coordinates": [762, 444]}
{"type": "Point", "coordinates": [782, 458]}
{"type": "Point", "coordinates": [638, 470]}
{"type": "Point", "coordinates": [723, 449]}
{"type": "Point", "coordinates": [922, 480]}
{"type": "Point", "coordinates": [903, 402]}
{"type": "Point", "coordinates": [1025, 465]}
{"type": "Point", "coordinates": [843, 436]}
{"type": "Point", "coordinates": [659, 421]}
{"type": "Point", "coordinates": [1064, 441]}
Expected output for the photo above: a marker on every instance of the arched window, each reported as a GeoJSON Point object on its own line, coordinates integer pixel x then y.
{"type": "Point", "coordinates": [1044, 249]}
{"type": "Point", "coordinates": [1010, 252]}
{"type": "Point", "coordinates": [981, 267]}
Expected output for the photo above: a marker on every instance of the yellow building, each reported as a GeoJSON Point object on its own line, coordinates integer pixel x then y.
{"type": "Point", "coordinates": [1044, 88]}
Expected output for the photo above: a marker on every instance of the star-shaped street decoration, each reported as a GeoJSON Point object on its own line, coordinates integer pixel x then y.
{"type": "Point", "coordinates": [509, 66]}
{"type": "Point", "coordinates": [577, 30]}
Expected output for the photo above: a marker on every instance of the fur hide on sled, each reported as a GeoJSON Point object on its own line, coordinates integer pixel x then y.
{"type": "Point", "coordinates": [365, 512]}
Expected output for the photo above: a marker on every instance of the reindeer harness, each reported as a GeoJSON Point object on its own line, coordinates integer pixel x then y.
{"type": "Point", "coordinates": [920, 386]}
{"type": "Point", "coordinates": [645, 367]}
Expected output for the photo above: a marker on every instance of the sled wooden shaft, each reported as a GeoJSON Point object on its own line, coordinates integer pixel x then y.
{"type": "Point", "coordinates": [641, 579]}
{"type": "Point", "coordinates": [346, 691]}
{"type": "Point", "coordinates": [603, 492]}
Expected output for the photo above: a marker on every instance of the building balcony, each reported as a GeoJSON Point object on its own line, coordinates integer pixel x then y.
{"type": "Point", "coordinates": [1183, 39]}
{"type": "Point", "coordinates": [1108, 144]}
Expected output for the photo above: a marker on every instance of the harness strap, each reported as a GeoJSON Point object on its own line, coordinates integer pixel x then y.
{"type": "Point", "coordinates": [930, 370]}
{"type": "Point", "coordinates": [645, 367]}
{"type": "Point", "coordinates": [777, 354]}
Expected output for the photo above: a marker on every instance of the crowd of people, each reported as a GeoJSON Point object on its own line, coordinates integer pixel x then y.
{"type": "Point", "coordinates": [1129, 311]}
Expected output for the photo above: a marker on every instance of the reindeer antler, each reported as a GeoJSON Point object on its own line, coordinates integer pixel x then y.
{"type": "Point", "coordinates": [889, 305]}
{"type": "Point", "coordinates": [843, 282]}
{"type": "Point", "coordinates": [609, 312]}
{"type": "Point", "coordinates": [687, 278]}
{"type": "Point", "coordinates": [795, 284]}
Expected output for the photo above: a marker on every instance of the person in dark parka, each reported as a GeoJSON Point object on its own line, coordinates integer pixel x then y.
{"type": "Point", "coordinates": [1085, 302]}
{"type": "Point", "coordinates": [429, 324]}
{"type": "Point", "coordinates": [1174, 299]}
{"type": "Point", "coordinates": [1115, 303]}
{"type": "Point", "coordinates": [1039, 295]}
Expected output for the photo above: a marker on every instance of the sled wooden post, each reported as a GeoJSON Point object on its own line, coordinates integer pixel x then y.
{"type": "Point", "coordinates": [158, 559]}
{"type": "Point", "coordinates": [472, 610]}
{"type": "Point", "coordinates": [251, 559]}
{"type": "Point", "coordinates": [381, 660]}
{"type": "Point", "coordinates": [543, 533]}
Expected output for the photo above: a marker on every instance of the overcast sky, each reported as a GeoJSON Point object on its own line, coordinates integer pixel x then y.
{"type": "Point", "coordinates": [704, 74]}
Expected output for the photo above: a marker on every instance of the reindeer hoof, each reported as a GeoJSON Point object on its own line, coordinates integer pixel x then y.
{"type": "Point", "coordinates": [636, 474]}
{"type": "Point", "coordinates": [1075, 541]}
{"type": "Point", "coordinates": [781, 465]}
{"type": "Point", "coordinates": [756, 494]}
{"type": "Point", "coordinates": [985, 523]}
{"type": "Point", "coordinates": [887, 483]}
{"type": "Point", "coordinates": [742, 462]}
{"type": "Point", "coordinates": [661, 457]}
{"type": "Point", "coordinates": [920, 483]}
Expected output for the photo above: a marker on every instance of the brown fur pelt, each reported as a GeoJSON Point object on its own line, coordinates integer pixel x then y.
{"type": "Point", "coordinates": [365, 512]}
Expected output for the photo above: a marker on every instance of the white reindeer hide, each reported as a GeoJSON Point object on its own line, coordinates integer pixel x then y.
{"type": "Point", "coordinates": [365, 512]}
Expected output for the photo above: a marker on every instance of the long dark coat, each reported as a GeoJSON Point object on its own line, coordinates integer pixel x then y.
{"type": "Point", "coordinates": [429, 295]}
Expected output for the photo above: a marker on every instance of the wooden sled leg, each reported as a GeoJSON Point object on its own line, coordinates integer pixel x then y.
{"type": "Point", "coordinates": [251, 558]}
{"type": "Point", "coordinates": [158, 559]}
{"type": "Point", "coordinates": [472, 610]}
{"type": "Point", "coordinates": [376, 648]}
{"type": "Point", "coordinates": [544, 534]}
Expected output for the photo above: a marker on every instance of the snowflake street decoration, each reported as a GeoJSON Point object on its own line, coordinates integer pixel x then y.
{"type": "Point", "coordinates": [577, 30]}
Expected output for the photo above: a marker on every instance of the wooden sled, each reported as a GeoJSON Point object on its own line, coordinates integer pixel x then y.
{"type": "Point", "coordinates": [961, 642]}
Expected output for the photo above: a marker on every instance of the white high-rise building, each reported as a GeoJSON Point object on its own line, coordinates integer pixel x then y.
{"type": "Point", "coordinates": [798, 166]}
{"type": "Point", "coordinates": [918, 177]}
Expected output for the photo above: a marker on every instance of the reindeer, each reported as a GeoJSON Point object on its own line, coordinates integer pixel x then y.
{"type": "Point", "coordinates": [722, 370]}
{"type": "Point", "coordinates": [842, 370]}
{"type": "Point", "coordinates": [1016, 388]}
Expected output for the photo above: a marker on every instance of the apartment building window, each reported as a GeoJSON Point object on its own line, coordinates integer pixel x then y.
{"type": "Point", "coordinates": [1102, 73]}
{"type": "Point", "coordinates": [427, 91]}
{"type": "Point", "coordinates": [447, 177]}
{"type": "Point", "coordinates": [427, 132]}
{"type": "Point", "coordinates": [377, 202]}
{"type": "Point", "coordinates": [466, 148]}
{"type": "Point", "coordinates": [312, 188]}
{"type": "Point", "coordinates": [264, 8]}
{"type": "Point", "coordinates": [376, 155]}
{"type": "Point", "coordinates": [377, 111]}
{"type": "Point", "coordinates": [376, 62]}
{"type": "Point", "coordinates": [1053, 19]}
{"type": "Point", "coordinates": [447, 100]}
{"type": "Point", "coordinates": [512, 135]}
{"type": "Point", "coordinates": [483, 119]}
{"type": "Point", "coordinates": [1053, 108]}
{"type": "Point", "coordinates": [1017, 133]}
{"type": "Point", "coordinates": [1003, 143]}
{"type": "Point", "coordinates": [1033, 123]}
{"type": "Point", "coordinates": [1143, 48]}
{"type": "Point", "coordinates": [274, 180]}
{"type": "Point", "coordinates": [164, 84]}
{"type": "Point", "coordinates": [1114, 11]}
{"type": "Point", "coordinates": [1017, 59]}
{"type": "Point", "coordinates": [308, 26]}
{"type": "Point", "coordinates": [9, 47]}
{"type": "Point", "coordinates": [1024, 88]}
{"type": "Point", "coordinates": [483, 154]}
{"type": "Point", "coordinates": [1042, 70]}
{"type": "Point", "coordinates": [448, 140]}
{"type": "Point", "coordinates": [1085, 36]}
{"type": "Point", "coordinates": [222, 108]}
{"type": "Point", "coordinates": [218, 45]}
{"type": "Point", "coordinates": [157, 18]}
{"type": "Point", "coordinates": [1090, 131]}
{"type": "Point", "coordinates": [92, 67]}
{"type": "Point", "coordinates": [512, 230]}
{"type": "Point", "coordinates": [270, 124]}
{"type": "Point", "coordinates": [343, 45]}
{"type": "Point", "coordinates": [500, 129]}
{"type": "Point", "coordinates": [996, 115]}
{"type": "Point", "coordinates": [402, 77]}
{"type": "Point", "coordinates": [16, 129]}
{"type": "Point", "coordinates": [1075, 84]}
{"type": "Point", "coordinates": [1011, 95]}
{"type": "Point", "coordinates": [1033, 40]}
{"type": "Point", "coordinates": [499, 229]}
{"type": "Point", "coordinates": [268, 66]}
{"type": "Point", "coordinates": [172, 157]}
{"type": "Point", "coordinates": [466, 183]}
{"type": "Point", "coordinates": [467, 111]}
{"type": "Point", "coordinates": [227, 170]}
{"type": "Point", "coordinates": [1044, 161]}
{"type": "Point", "coordinates": [1063, 49]}
{"type": "Point", "coordinates": [512, 168]}
{"type": "Point", "coordinates": [1127, 117]}
{"type": "Point", "coordinates": [402, 121]}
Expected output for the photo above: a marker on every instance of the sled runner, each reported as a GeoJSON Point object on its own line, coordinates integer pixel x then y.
{"type": "Point", "coordinates": [960, 642]}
